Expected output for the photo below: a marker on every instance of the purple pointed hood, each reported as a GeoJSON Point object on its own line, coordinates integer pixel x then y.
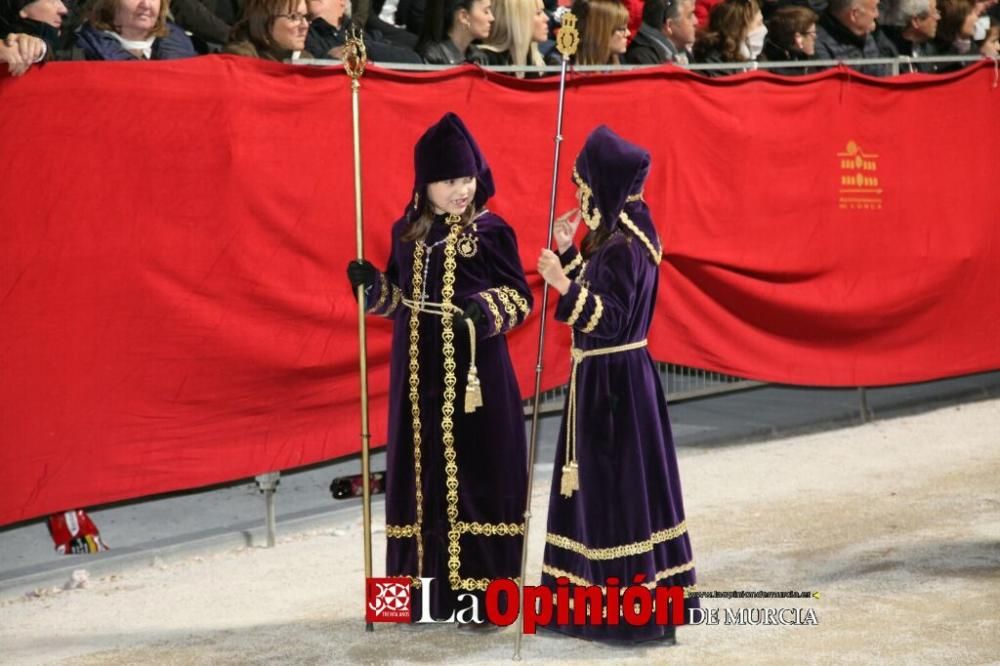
{"type": "Point", "coordinates": [610, 173]}
{"type": "Point", "coordinates": [448, 150]}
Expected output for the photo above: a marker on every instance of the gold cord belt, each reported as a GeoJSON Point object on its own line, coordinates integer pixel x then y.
{"type": "Point", "coordinates": [570, 471]}
{"type": "Point", "coordinates": [473, 391]}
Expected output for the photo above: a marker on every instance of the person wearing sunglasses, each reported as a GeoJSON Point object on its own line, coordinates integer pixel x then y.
{"type": "Point", "coordinates": [271, 30]}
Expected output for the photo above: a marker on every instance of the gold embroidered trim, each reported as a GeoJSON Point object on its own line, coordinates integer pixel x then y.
{"type": "Point", "coordinates": [508, 305]}
{"type": "Point", "coordinates": [383, 293]}
{"type": "Point", "coordinates": [657, 254]}
{"type": "Point", "coordinates": [591, 217]}
{"type": "Point", "coordinates": [397, 295]}
{"type": "Point", "coordinates": [559, 573]}
{"type": "Point", "coordinates": [596, 316]}
{"type": "Point", "coordinates": [571, 266]}
{"type": "Point", "coordinates": [414, 380]}
{"type": "Point", "coordinates": [522, 303]}
{"type": "Point", "coordinates": [448, 409]}
{"type": "Point", "coordinates": [615, 552]}
{"type": "Point", "coordinates": [583, 582]}
{"type": "Point", "coordinates": [497, 317]}
{"type": "Point", "coordinates": [471, 584]}
{"type": "Point", "coordinates": [667, 573]}
{"type": "Point", "coordinates": [491, 529]}
{"type": "Point", "coordinates": [402, 531]}
{"type": "Point", "coordinates": [581, 300]}
{"type": "Point", "coordinates": [634, 197]}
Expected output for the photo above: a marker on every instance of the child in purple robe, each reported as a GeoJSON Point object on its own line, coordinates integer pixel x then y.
{"type": "Point", "coordinates": [457, 461]}
{"type": "Point", "coordinates": [615, 509]}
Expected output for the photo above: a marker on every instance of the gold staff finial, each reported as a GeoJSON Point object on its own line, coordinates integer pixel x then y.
{"type": "Point", "coordinates": [355, 55]}
{"type": "Point", "coordinates": [569, 37]}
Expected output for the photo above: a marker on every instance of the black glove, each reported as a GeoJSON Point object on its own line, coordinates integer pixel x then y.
{"type": "Point", "coordinates": [361, 273]}
{"type": "Point", "coordinates": [472, 313]}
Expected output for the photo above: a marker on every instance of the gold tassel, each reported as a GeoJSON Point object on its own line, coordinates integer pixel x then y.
{"type": "Point", "coordinates": [473, 392]}
{"type": "Point", "coordinates": [570, 481]}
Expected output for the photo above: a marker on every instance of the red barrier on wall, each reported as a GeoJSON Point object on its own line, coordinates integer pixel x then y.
{"type": "Point", "coordinates": [172, 294]}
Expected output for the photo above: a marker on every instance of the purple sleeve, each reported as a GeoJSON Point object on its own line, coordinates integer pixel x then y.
{"type": "Point", "coordinates": [507, 303]}
{"type": "Point", "coordinates": [601, 309]}
{"type": "Point", "coordinates": [384, 297]}
{"type": "Point", "coordinates": [572, 262]}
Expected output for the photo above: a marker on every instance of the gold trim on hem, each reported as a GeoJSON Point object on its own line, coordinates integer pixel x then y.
{"type": "Point", "coordinates": [615, 552]}
{"type": "Point", "coordinates": [583, 582]}
{"type": "Point", "coordinates": [490, 529]}
{"type": "Point", "coordinates": [402, 531]}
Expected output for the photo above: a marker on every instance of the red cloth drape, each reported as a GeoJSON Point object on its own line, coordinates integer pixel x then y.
{"type": "Point", "coordinates": [173, 239]}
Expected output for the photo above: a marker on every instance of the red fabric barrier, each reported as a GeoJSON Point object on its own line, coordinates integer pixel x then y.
{"type": "Point", "coordinates": [174, 235]}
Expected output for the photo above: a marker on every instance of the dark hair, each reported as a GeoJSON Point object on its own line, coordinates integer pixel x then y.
{"type": "Point", "coordinates": [438, 18]}
{"type": "Point", "coordinates": [419, 227]}
{"type": "Point", "coordinates": [257, 20]}
{"type": "Point", "coordinates": [728, 23]}
{"type": "Point", "coordinates": [953, 15]}
{"type": "Point", "coordinates": [594, 240]}
{"type": "Point", "coordinates": [657, 12]}
{"type": "Point", "coordinates": [786, 22]}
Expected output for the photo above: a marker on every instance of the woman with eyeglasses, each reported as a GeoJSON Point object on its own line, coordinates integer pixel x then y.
{"type": "Point", "coordinates": [519, 27]}
{"type": "Point", "coordinates": [736, 33]}
{"type": "Point", "coordinates": [271, 30]}
{"type": "Point", "coordinates": [132, 30]}
{"type": "Point", "coordinates": [791, 36]}
{"type": "Point", "coordinates": [451, 29]}
{"type": "Point", "coordinates": [604, 33]}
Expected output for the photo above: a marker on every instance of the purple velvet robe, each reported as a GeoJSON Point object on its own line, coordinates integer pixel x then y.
{"type": "Point", "coordinates": [460, 518]}
{"type": "Point", "coordinates": [627, 517]}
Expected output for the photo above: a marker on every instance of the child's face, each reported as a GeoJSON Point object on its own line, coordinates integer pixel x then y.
{"type": "Point", "coordinates": [452, 196]}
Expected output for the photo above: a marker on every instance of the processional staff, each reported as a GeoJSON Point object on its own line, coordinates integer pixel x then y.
{"type": "Point", "coordinates": [355, 58]}
{"type": "Point", "coordinates": [566, 41]}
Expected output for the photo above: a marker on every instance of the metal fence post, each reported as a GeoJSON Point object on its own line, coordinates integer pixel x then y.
{"type": "Point", "coordinates": [268, 484]}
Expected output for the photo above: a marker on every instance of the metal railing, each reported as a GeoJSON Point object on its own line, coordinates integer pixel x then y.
{"type": "Point", "coordinates": [901, 64]}
{"type": "Point", "coordinates": [679, 383]}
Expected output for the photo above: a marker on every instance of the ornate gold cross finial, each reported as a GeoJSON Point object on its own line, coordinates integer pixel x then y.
{"type": "Point", "coordinates": [355, 55]}
{"type": "Point", "coordinates": [569, 37]}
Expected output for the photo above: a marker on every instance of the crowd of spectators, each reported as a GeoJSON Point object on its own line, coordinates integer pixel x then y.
{"type": "Point", "coordinates": [510, 32]}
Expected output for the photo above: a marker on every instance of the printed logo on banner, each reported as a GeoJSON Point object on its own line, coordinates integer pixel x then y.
{"type": "Point", "coordinates": [387, 600]}
{"type": "Point", "coordinates": [859, 183]}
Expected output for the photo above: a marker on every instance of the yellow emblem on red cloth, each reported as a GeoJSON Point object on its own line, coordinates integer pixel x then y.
{"type": "Point", "coordinates": [859, 184]}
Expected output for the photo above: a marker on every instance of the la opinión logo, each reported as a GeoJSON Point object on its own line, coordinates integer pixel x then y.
{"type": "Point", "coordinates": [389, 600]}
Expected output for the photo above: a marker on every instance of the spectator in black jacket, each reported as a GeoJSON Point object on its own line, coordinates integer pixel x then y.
{"type": "Point", "coordinates": [667, 33]}
{"type": "Point", "coordinates": [791, 36]}
{"type": "Point", "coordinates": [846, 31]}
{"type": "Point", "coordinates": [911, 25]}
{"type": "Point", "coordinates": [329, 30]}
{"type": "Point", "coordinates": [451, 27]}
